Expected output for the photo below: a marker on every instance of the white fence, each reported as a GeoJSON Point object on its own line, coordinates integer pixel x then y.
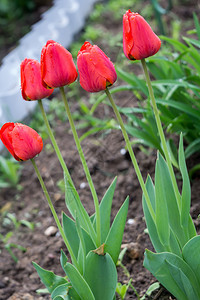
{"type": "Point", "coordinates": [60, 23]}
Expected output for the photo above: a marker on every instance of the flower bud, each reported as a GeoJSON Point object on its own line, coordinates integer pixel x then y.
{"type": "Point", "coordinates": [21, 141]}
{"type": "Point", "coordinates": [57, 65]}
{"type": "Point", "coordinates": [31, 81]}
{"type": "Point", "coordinates": [96, 71]}
{"type": "Point", "coordinates": [139, 40]}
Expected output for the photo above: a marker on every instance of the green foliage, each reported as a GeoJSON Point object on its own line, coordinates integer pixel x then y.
{"type": "Point", "coordinates": [9, 173]}
{"type": "Point", "coordinates": [174, 273]}
{"type": "Point", "coordinates": [9, 220]}
{"type": "Point", "coordinates": [95, 271]}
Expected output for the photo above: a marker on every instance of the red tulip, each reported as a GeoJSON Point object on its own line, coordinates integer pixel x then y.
{"type": "Point", "coordinates": [96, 71]}
{"type": "Point", "coordinates": [31, 81]}
{"type": "Point", "coordinates": [139, 40]}
{"type": "Point", "coordinates": [57, 66]}
{"type": "Point", "coordinates": [21, 141]}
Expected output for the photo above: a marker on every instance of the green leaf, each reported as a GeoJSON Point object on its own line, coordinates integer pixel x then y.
{"type": "Point", "coordinates": [191, 255]}
{"type": "Point", "coordinates": [75, 206]}
{"type": "Point", "coordinates": [154, 286]}
{"type": "Point", "coordinates": [192, 148]}
{"type": "Point", "coordinates": [167, 210]}
{"type": "Point", "coordinates": [162, 214]}
{"type": "Point", "coordinates": [186, 190]}
{"type": "Point", "coordinates": [48, 278]}
{"type": "Point", "coordinates": [101, 275]}
{"type": "Point", "coordinates": [70, 231]}
{"type": "Point", "coordinates": [182, 280]}
{"type": "Point", "coordinates": [78, 283]}
{"type": "Point", "coordinates": [65, 292]}
{"type": "Point", "coordinates": [173, 152]}
{"type": "Point", "coordinates": [168, 269]}
{"type": "Point", "coordinates": [115, 235]}
{"type": "Point", "coordinates": [197, 25]}
{"type": "Point", "coordinates": [153, 234]}
{"type": "Point", "coordinates": [61, 292]}
{"type": "Point", "coordinates": [63, 260]}
{"type": "Point", "coordinates": [82, 248]}
{"type": "Point", "coordinates": [105, 210]}
{"type": "Point", "coordinates": [133, 80]}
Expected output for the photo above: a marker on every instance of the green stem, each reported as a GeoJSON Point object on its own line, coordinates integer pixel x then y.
{"type": "Point", "coordinates": [132, 155]}
{"type": "Point", "coordinates": [74, 261]}
{"type": "Point", "coordinates": [161, 133]}
{"type": "Point", "coordinates": [85, 167]}
{"type": "Point", "coordinates": [55, 145]}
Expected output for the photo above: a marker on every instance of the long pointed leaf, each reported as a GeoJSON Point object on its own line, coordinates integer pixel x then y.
{"type": "Point", "coordinates": [78, 282]}
{"type": "Point", "coordinates": [115, 235]}
{"type": "Point", "coordinates": [49, 279]}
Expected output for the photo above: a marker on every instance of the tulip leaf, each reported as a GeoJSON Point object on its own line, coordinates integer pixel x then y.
{"type": "Point", "coordinates": [49, 279]}
{"type": "Point", "coordinates": [75, 206]}
{"type": "Point", "coordinates": [182, 281]}
{"type": "Point", "coordinates": [61, 292]}
{"type": "Point", "coordinates": [82, 248]}
{"type": "Point", "coordinates": [186, 190]}
{"type": "Point", "coordinates": [167, 210]}
{"type": "Point", "coordinates": [153, 232]}
{"type": "Point", "coordinates": [173, 273]}
{"type": "Point", "coordinates": [78, 283]}
{"type": "Point", "coordinates": [162, 217]}
{"type": "Point", "coordinates": [105, 210]}
{"type": "Point", "coordinates": [158, 246]}
{"type": "Point", "coordinates": [115, 235]}
{"type": "Point", "coordinates": [191, 255]}
{"type": "Point", "coordinates": [71, 233]}
{"type": "Point", "coordinates": [133, 80]}
{"type": "Point", "coordinates": [63, 259]}
{"type": "Point", "coordinates": [101, 275]}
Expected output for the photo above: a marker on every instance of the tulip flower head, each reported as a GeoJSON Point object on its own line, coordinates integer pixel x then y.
{"type": "Point", "coordinates": [96, 71]}
{"type": "Point", "coordinates": [139, 40]}
{"type": "Point", "coordinates": [31, 81]}
{"type": "Point", "coordinates": [21, 141]}
{"type": "Point", "coordinates": [57, 65]}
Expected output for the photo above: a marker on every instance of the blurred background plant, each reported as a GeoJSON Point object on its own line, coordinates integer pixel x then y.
{"type": "Point", "coordinates": [10, 221]}
{"type": "Point", "coordinates": [16, 18]}
{"type": "Point", "coordinates": [9, 173]}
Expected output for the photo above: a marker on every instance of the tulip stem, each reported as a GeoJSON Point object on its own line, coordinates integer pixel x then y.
{"type": "Point", "coordinates": [132, 155]}
{"type": "Point", "coordinates": [55, 145]}
{"type": "Point", "coordinates": [85, 167]}
{"type": "Point", "coordinates": [161, 133]}
{"type": "Point", "coordinates": [74, 261]}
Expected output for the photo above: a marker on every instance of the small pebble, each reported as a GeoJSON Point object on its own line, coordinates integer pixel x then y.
{"type": "Point", "coordinates": [50, 231]}
{"type": "Point", "coordinates": [82, 185]}
{"type": "Point", "coordinates": [131, 221]}
{"type": "Point", "coordinates": [123, 151]}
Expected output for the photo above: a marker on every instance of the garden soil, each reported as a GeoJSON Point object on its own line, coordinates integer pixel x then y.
{"type": "Point", "coordinates": [106, 159]}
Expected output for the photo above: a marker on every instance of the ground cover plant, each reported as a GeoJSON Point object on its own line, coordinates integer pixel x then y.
{"type": "Point", "coordinates": [129, 284]}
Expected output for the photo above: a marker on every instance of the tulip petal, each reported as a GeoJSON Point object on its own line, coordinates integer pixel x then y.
{"type": "Point", "coordinates": [90, 79]}
{"type": "Point", "coordinates": [95, 68]}
{"type": "Point", "coordinates": [6, 137]}
{"type": "Point", "coordinates": [139, 40]}
{"type": "Point", "coordinates": [57, 66]}
{"type": "Point", "coordinates": [31, 81]}
{"type": "Point", "coordinates": [26, 142]}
